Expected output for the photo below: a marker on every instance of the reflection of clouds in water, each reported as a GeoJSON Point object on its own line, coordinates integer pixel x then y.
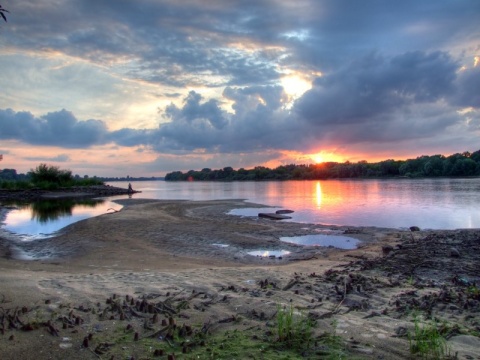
{"type": "Point", "coordinates": [268, 253]}
{"type": "Point", "coordinates": [34, 224]}
{"type": "Point", "coordinates": [17, 217]}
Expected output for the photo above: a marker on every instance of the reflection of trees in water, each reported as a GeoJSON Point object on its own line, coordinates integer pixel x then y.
{"type": "Point", "coordinates": [50, 210]}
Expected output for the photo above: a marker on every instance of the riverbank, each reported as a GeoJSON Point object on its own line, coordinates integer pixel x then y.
{"type": "Point", "coordinates": [71, 192]}
{"type": "Point", "coordinates": [188, 262]}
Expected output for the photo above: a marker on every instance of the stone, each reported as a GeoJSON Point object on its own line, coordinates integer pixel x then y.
{"type": "Point", "coordinates": [454, 252]}
{"type": "Point", "coordinates": [387, 249]}
{"type": "Point", "coordinates": [273, 216]}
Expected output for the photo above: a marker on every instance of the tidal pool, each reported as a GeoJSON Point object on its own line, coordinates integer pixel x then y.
{"type": "Point", "coordinates": [338, 241]}
{"type": "Point", "coordinates": [268, 253]}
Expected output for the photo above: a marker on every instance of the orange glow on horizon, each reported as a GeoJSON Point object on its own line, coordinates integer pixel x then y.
{"type": "Point", "coordinates": [325, 156]}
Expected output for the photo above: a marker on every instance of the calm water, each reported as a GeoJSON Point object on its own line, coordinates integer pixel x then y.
{"type": "Point", "coordinates": [41, 219]}
{"type": "Point", "coordinates": [399, 203]}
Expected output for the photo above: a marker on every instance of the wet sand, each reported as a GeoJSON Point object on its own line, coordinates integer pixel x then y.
{"type": "Point", "coordinates": [168, 252]}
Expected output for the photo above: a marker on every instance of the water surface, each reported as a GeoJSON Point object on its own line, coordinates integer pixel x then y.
{"type": "Point", "coordinates": [41, 219]}
{"type": "Point", "coordinates": [338, 241]}
{"type": "Point", "coordinates": [392, 203]}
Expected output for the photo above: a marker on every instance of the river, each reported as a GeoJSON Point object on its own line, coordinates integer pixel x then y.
{"type": "Point", "coordinates": [393, 203]}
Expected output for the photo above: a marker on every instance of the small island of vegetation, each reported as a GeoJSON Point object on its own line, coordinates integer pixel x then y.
{"type": "Point", "coordinates": [456, 165]}
{"type": "Point", "coordinates": [44, 177]}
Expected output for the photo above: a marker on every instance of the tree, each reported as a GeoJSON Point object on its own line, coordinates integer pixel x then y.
{"type": "Point", "coordinates": [51, 174]}
{"type": "Point", "coordinates": [2, 13]}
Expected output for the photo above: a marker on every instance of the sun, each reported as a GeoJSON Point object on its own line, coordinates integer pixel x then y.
{"type": "Point", "coordinates": [325, 156]}
{"type": "Point", "coordinates": [294, 86]}
{"type": "Point", "coordinates": [318, 158]}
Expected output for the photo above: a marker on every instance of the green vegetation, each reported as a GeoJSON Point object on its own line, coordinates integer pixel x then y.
{"type": "Point", "coordinates": [428, 341]}
{"type": "Point", "coordinates": [465, 164]}
{"type": "Point", "coordinates": [43, 177]}
{"type": "Point", "coordinates": [250, 343]}
{"type": "Point", "coordinates": [294, 332]}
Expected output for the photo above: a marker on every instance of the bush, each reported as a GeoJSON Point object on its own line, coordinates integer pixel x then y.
{"type": "Point", "coordinates": [50, 174]}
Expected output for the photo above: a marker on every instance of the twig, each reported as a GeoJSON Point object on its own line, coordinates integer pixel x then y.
{"type": "Point", "coordinates": [344, 295]}
{"type": "Point", "coordinates": [158, 332]}
{"type": "Point", "coordinates": [290, 285]}
{"type": "Point", "coordinates": [94, 353]}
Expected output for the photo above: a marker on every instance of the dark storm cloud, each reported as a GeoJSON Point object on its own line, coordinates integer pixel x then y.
{"type": "Point", "coordinates": [468, 91]}
{"type": "Point", "coordinates": [374, 86]}
{"type": "Point", "coordinates": [53, 129]}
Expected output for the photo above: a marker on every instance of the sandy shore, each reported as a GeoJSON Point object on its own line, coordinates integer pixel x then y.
{"type": "Point", "coordinates": [173, 256]}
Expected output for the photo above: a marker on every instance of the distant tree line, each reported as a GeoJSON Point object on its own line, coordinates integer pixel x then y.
{"type": "Point", "coordinates": [130, 178]}
{"type": "Point", "coordinates": [45, 176]}
{"type": "Point", "coordinates": [465, 164]}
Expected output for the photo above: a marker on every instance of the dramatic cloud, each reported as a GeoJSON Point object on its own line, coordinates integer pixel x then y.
{"type": "Point", "coordinates": [194, 82]}
{"type": "Point", "coordinates": [59, 128]}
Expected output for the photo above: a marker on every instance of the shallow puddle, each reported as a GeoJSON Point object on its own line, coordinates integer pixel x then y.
{"type": "Point", "coordinates": [269, 253]}
{"type": "Point", "coordinates": [341, 242]}
{"type": "Point", "coordinates": [251, 211]}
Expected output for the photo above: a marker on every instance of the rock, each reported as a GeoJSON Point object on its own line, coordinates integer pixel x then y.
{"type": "Point", "coordinates": [454, 252]}
{"type": "Point", "coordinates": [414, 228]}
{"type": "Point", "coordinates": [273, 216]}
{"type": "Point", "coordinates": [387, 249]}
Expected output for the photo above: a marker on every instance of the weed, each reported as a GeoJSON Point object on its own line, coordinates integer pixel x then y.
{"type": "Point", "coordinates": [427, 340]}
{"type": "Point", "coordinates": [473, 292]}
{"type": "Point", "coordinates": [295, 332]}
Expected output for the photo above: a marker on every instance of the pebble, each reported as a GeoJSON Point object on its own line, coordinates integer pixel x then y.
{"type": "Point", "coordinates": [454, 252]}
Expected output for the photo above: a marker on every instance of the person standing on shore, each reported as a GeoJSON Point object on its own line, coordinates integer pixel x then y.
{"type": "Point", "coordinates": [130, 189]}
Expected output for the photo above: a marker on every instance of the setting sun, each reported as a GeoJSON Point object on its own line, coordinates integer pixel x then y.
{"type": "Point", "coordinates": [317, 158]}
{"type": "Point", "coordinates": [324, 156]}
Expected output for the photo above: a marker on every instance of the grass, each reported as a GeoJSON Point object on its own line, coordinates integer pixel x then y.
{"type": "Point", "coordinates": [427, 340]}
{"type": "Point", "coordinates": [292, 338]}
{"type": "Point", "coordinates": [411, 280]}
{"type": "Point", "coordinates": [293, 331]}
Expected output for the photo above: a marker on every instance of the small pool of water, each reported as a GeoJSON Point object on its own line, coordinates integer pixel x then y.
{"type": "Point", "coordinates": [268, 253]}
{"type": "Point", "coordinates": [251, 211]}
{"type": "Point", "coordinates": [43, 219]}
{"type": "Point", "coordinates": [338, 241]}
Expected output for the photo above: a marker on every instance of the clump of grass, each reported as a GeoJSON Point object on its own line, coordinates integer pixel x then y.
{"type": "Point", "coordinates": [427, 340]}
{"type": "Point", "coordinates": [411, 280]}
{"type": "Point", "coordinates": [295, 331]}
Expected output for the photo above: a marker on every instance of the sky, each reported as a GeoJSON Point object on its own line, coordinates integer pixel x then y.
{"type": "Point", "coordinates": [146, 87]}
